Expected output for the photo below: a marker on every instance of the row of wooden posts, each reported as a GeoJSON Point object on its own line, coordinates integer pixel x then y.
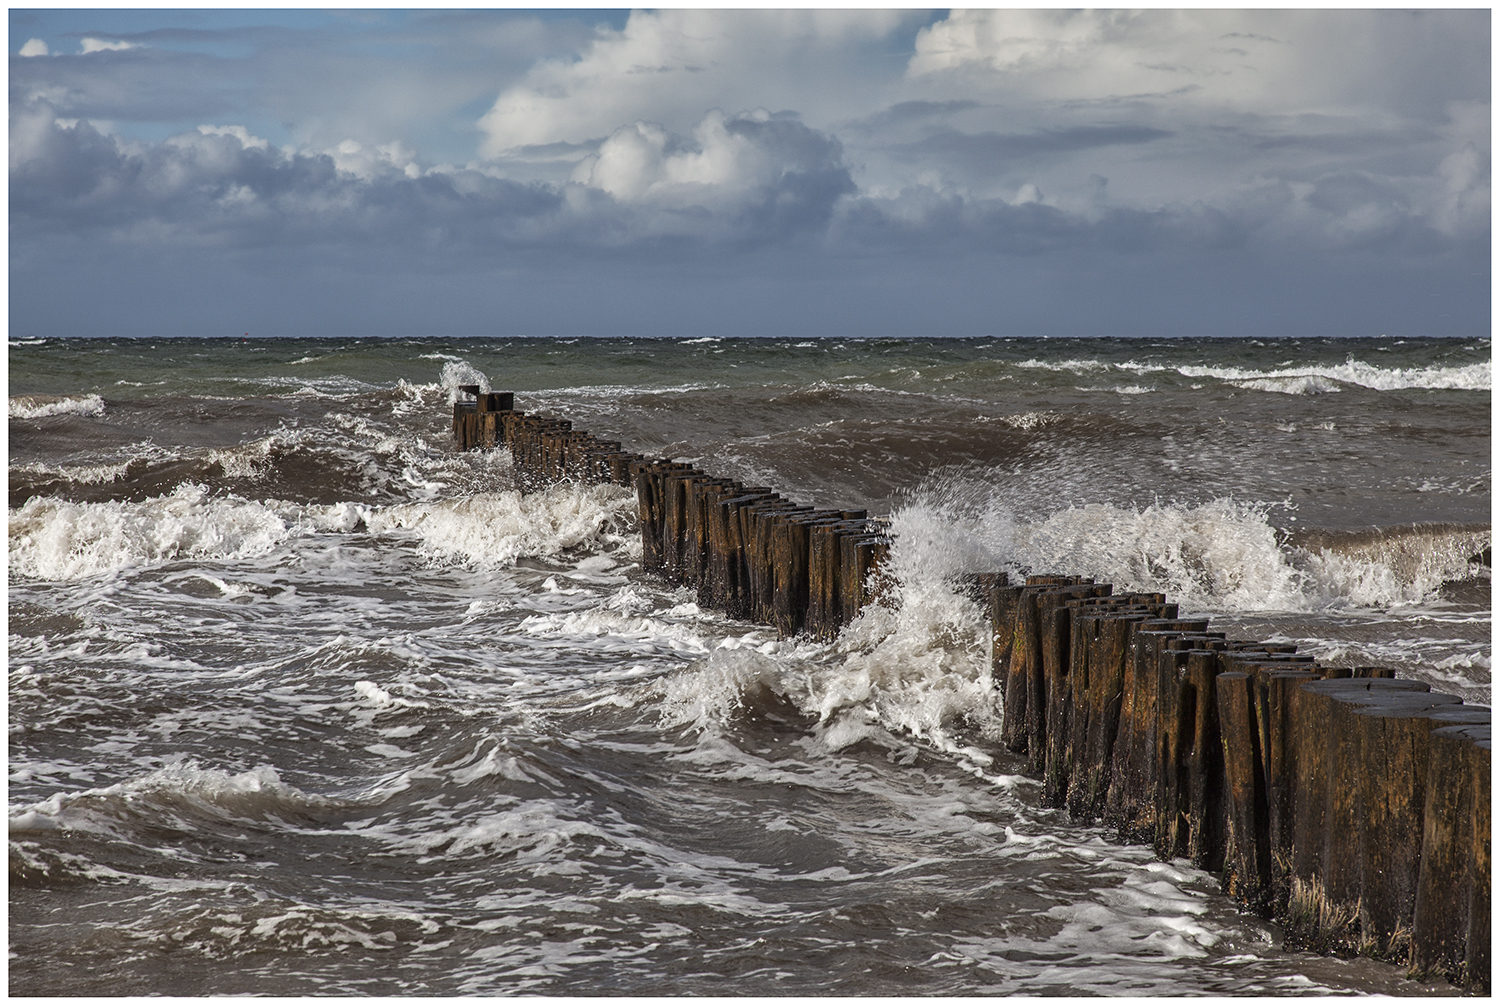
{"type": "Point", "coordinates": [1350, 806]}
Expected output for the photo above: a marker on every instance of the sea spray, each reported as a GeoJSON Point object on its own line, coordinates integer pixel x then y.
{"type": "Point", "coordinates": [915, 663]}
{"type": "Point", "coordinates": [456, 373]}
{"type": "Point", "coordinates": [58, 540]}
{"type": "Point", "coordinates": [1219, 555]}
{"type": "Point", "coordinates": [54, 539]}
{"type": "Point", "coordinates": [495, 529]}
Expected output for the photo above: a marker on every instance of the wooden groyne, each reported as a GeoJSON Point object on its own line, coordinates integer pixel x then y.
{"type": "Point", "coordinates": [1348, 805]}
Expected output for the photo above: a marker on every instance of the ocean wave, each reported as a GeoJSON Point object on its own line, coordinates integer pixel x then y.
{"type": "Point", "coordinates": [1324, 377]}
{"type": "Point", "coordinates": [279, 926]}
{"type": "Point", "coordinates": [254, 459]}
{"type": "Point", "coordinates": [1306, 384]}
{"type": "Point", "coordinates": [61, 540]}
{"type": "Point", "coordinates": [915, 665]}
{"type": "Point", "coordinates": [1222, 555]}
{"type": "Point", "coordinates": [37, 473]}
{"type": "Point", "coordinates": [498, 528]}
{"type": "Point", "coordinates": [1077, 366]}
{"type": "Point", "coordinates": [170, 794]}
{"type": "Point", "coordinates": [1383, 566]}
{"type": "Point", "coordinates": [37, 406]}
{"type": "Point", "coordinates": [532, 831]}
{"type": "Point", "coordinates": [1313, 378]}
{"type": "Point", "coordinates": [1226, 555]}
{"type": "Point", "coordinates": [54, 539]}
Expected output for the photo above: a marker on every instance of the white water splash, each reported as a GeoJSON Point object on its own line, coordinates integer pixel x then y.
{"type": "Point", "coordinates": [37, 406]}
{"type": "Point", "coordinates": [496, 529]}
{"type": "Point", "coordinates": [915, 664]}
{"type": "Point", "coordinates": [1223, 555]}
{"type": "Point", "coordinates": [54, 539]}
{"type": "Point", "coordinates": [58, 540]}
{"type": "Point", "coordinates": [456, 373]}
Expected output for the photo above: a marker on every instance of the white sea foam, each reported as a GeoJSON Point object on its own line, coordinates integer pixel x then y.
{"type": "Point", "coordinates": [496, 529]}
{"type": "Point", "coordinates": [1031, 420]}
{"type": "Point", "coordinates": [1302, 380]}
{"type": "Point", "coordinates": [37, 406]}
{"type": "Point", "coordinates": [1317, 378]}
{"type": "Point", "coordinates": [55, 539]}
{"type": "Point", "coordinates": [77, 474]}
{"type": "Point", "coordinates": [1223, 555]}
{"type": "Point", "coordinates": [915, 664]}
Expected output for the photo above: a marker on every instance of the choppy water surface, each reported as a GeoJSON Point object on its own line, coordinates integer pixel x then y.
{"type": "Point", "coordinates": [302, 701]}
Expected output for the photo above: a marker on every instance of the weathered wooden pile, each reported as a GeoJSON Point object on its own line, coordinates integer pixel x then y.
{"type": "Point", "coordinates": [746, 550]}
{"type": "Point", "coordinates": [1350, 806]}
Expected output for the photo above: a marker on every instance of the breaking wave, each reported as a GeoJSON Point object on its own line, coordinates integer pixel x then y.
{"type": "Point", "coordinates": [52, 539]}
{"type": "Point", "coordinates": [37, 406]}
{"type": "Point", "coordinates": [1223, 555]}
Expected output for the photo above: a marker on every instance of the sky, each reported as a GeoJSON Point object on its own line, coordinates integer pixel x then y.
{"type": "Point", "coordinates": [843, 172]}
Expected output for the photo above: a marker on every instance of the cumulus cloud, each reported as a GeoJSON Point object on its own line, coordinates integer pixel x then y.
{"type": "Point", "coordinates": [219, 186]}
{"type": "Point", "coordinates": [769, 169]}
{"type": "Point", "coordinates": [1262, 61]}
{"type": "Point", "coordinates": [409, 76]}
{"type": "Point", "coordinates": [752, 176]}
{"type": "Point", "coordinates": [688, 136]}
{"type": "Point", "coordinates": [89, 45]}
{"type": "Point", "coordinates": [670, 66]}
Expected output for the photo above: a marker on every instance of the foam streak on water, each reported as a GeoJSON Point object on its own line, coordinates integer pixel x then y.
{"type": "Point", "coordinates": [303, 702]}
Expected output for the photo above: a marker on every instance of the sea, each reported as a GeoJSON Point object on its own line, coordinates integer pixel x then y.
{"type": "Point", "coordinates": [303, 701]}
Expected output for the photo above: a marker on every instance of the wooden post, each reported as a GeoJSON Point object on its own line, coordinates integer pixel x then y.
{"type": "Point", "coordinates": [1048, 653]}
{"type": "Point", "coordinates": [1445, 881]}
{"type": "Point", "coordinates": [1246, 875]}
{"type": "Point", "coordinates": [1108, 638]}
{"type": "Point", "coordinates": [1476, 970]}
{"type": "Point", "coordinates": [1207, 815]}
{"type": "Point", "coordinates": [1393, 747]}
{"type": "Point", "coordinates": [1004, 599]}
{"type": "Point", "coordinates": [1023, 670]}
